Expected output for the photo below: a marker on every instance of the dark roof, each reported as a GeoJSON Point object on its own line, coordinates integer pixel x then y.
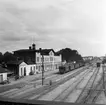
{"type": "Point", "coordinates": [14, 62]}
{"type": "Point", "coordinates": [29, 62]}
{"type": "Point", "coordinates": [56, 54]}
{"type": "Point", "coordinates": [19, 62]}
{"type": "Point", "coordinates": [3, 70]}
{"type": "Point", "coordinates": [47, 51]}
{"type": "Point", "coordinates": [26, 50]}
{"type": "Point", "coordinates": [44, 51]}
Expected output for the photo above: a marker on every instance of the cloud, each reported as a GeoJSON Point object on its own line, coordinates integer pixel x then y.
{"type": "Point", "coordinates": [52, 23]}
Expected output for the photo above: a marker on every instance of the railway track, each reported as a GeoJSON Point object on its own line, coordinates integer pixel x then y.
{"type": "Point", "coordinates": [98, 90]}
{"type": "Point", "coordinates": [63, 96]}
{"type": "Point", "coordinates": [56, 76]}
{"type": "Point", "coordinates": [62, 93]}
{"type": "Point", "coordinates": [91, 87]}
{"type": "Point", "coordinates": [88, 85]}
{"type": "Point", "coordinates": [30, 90]}
{"type": "Point", "coordinates": [53, 86]}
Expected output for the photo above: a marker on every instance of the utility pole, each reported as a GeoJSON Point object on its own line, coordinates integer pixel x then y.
{"type": "Point", "coordinates": [103, 77]}
{"type": "Point", "coordinates": [42, 60]}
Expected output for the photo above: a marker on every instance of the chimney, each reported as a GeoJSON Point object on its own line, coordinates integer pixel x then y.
{"type": "Point", "coordinates": [33, 46]}
{"type": "Point", "coordinates": [40, 50]}
{"type": "Point", "coordinates": [29, 47]}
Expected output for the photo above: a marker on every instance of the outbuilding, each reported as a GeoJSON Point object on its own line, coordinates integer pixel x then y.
{"type": "Point", "coordinates": [3, 74]}
{"type": "Point", "coordinates": [21, 68]}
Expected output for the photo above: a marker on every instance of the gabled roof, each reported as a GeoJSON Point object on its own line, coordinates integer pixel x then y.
{"type": "Point", "coordinates": [19, 62]}
{"type": "Point", "coordinates": [43, 51]}
{"type": "Point", "coordinates": [29, 62]}
{"type": "Point", "coordinates": [26, 50]}
{"type": "Point", "coordinates": [46, 51]}
{"type": "Point", "coordinates": [3, 70]}
{"type": "Point", "coordinates": [15, 62]}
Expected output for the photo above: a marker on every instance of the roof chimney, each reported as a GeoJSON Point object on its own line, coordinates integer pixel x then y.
{"type": "Point", "coordinates": [33, 46]}
{"type": "Point", "coordinates": [29, 47]}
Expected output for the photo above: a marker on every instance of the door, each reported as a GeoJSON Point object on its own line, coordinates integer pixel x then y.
{"type": "Point", "coordinates": [24, 71]}
{"type": "Point", "coordinates": [1, 78]}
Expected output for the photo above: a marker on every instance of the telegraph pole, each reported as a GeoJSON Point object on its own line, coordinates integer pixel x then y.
{"type": "Point", "coordinates": [103, 67]}
{"type": "Point", "coordinates": [42, 59]}
{"type": "Point", "coordinates": [103, 77]}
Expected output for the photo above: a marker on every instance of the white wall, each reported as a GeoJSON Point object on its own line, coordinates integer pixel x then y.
{"type": "Point", "coordinates": [48, 64]}
{"type": "Point", "coordinates": [4, 76]}
{"type": "Point", "coordinates": [28, 69]}
{"type": "Point", "coordinates": [57, 58]}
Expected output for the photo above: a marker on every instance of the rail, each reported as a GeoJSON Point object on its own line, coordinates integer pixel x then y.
{"type": "Point", "coordinates": [8, 101]}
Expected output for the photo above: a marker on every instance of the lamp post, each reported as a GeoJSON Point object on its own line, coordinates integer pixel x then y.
{"type": "Point", "coordinates": [42, 60]}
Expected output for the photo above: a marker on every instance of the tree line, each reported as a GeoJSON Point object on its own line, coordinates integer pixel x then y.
{"type": "Point", "coordinates": [68, 55]}
{"type": "Point", "coordinates": [6, 57]}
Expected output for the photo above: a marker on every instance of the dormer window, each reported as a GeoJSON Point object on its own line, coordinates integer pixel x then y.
{"type": "Point", "coordinates": [51, 53]}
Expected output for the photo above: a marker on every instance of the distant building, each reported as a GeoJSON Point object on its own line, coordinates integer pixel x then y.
{"type": "Point", "coordinates": [3, 74]}
{"type": "Point", "coordinates": [87, 58]}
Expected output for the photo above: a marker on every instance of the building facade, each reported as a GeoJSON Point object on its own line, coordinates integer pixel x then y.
{"type": "Point", "coordinates": [21, 68]}
{"type": "Point", "coordinates": [51, 61]}
{"type": "Point", "coordinates": [27, 69]}
{"type": "Point", "coordinates": [46, 57]}
{"type": "Point", "coordinates": [3, 74]}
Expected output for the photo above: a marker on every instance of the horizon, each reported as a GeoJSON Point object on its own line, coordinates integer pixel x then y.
{"type": "Point", "coordinates": [56, 50]}
{"type": "Point", "coordinates": [56, 24]}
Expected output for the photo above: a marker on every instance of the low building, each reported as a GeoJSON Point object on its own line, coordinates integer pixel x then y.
{"type": "Point", "coordinates": [27, 69]}
{"type": "Point", "coordinates": [21, 68]}
{"type": "Point", "coordinates": [3, 74]}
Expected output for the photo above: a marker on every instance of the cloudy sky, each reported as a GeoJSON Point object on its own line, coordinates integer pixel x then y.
{"type": "Point", "coordinates": [57, 24]}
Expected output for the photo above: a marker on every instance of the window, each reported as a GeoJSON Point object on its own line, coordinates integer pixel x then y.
{"type": "Point", "coordinates": [31, 69]}
{"type": "Point", "coordinates": [34, 67]}
{"type": "Point", "coordinates": [37, 59]}
{"type": "Point", "coordinates": [21, 71]}
{"type": "Point", "coordinates": [51, 58]}
{"type": "Point", "coordinates": [51, 53]}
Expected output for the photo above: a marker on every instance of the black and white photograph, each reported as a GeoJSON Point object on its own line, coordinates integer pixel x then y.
{"type": "Point", "coordinates": [52, 52]}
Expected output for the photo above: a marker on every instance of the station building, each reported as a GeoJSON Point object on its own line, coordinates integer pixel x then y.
{"type": "Point", "coordinates": [33, 59]}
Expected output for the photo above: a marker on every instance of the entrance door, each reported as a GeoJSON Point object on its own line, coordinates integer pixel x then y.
{"type": "Point", "coordinates": [24, 71]}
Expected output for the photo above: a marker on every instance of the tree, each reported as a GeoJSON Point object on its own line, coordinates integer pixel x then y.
{"type": "Point", "coordinates": [1, 58]}
{"type": "Point", "coordinates": [104, 61]}
{"type": "Point", "coordinates": [9, 57]}
{"type": "Point", "coordinates": [70, 55]}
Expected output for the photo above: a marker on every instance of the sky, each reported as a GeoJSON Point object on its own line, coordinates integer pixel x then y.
{"type": "Point", "coordinates": [57, 24]}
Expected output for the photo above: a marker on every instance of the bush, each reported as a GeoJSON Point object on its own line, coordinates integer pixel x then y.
{"type": "Point", "coordinates": [31, 73]}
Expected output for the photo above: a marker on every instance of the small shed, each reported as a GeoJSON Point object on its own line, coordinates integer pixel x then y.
{"type": "Point", "coordinates": [3, 74]}
{"type": "Point", "coordinates": [27, 69]}
{"type": "Point", "coordinates": [22, 68]}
